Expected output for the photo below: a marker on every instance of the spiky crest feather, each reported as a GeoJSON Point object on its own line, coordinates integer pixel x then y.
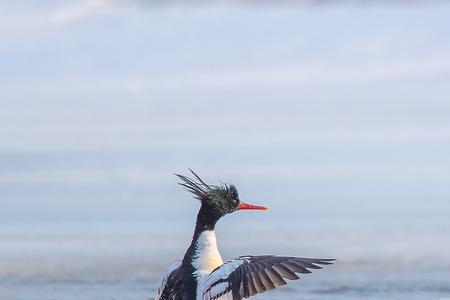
{"type": "Point", "coordinates": [204, 191]}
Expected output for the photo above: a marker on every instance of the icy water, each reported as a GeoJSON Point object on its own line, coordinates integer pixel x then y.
{"type": "Point", "coordinates": [105, 225]}
{"type": "Point", "coordinates": [124, 261]}
{"type": "Point", "coordinates": [73, 229]}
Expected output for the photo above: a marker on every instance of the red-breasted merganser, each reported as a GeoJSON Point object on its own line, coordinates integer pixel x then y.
{"type": "Point", "coordinates": [202, 275]}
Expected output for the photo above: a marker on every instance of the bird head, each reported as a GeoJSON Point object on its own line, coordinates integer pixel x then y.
{"type": "Point", "coordinates": [217, 199]}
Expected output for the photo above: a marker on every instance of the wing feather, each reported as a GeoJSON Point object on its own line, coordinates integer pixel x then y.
{"type": "Point", "coordinates": [248, 275]}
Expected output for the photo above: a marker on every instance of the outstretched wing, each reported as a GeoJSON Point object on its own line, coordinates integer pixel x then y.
{"type": "Point", "coordinates": [248, 275]}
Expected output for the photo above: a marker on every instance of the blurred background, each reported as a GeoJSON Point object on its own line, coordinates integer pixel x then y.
{"type": "Point", "coordinates": [335, 114]}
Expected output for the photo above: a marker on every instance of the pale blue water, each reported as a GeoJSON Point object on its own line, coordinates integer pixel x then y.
{"type": "Point", "coordinates": [76, 227]}
{"type": "Point", "coordinates": [408, 259]}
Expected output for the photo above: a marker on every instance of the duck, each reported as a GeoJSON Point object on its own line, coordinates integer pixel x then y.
{"type": "Point", "coordinates": [202, 274]}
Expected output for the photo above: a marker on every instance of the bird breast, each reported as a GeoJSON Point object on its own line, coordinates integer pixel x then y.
{"type": "Point", "coordinates": [207, 256]}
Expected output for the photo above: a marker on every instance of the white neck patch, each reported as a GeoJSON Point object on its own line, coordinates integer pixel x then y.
{"type": "Point", "coordinates": [207, 256]}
